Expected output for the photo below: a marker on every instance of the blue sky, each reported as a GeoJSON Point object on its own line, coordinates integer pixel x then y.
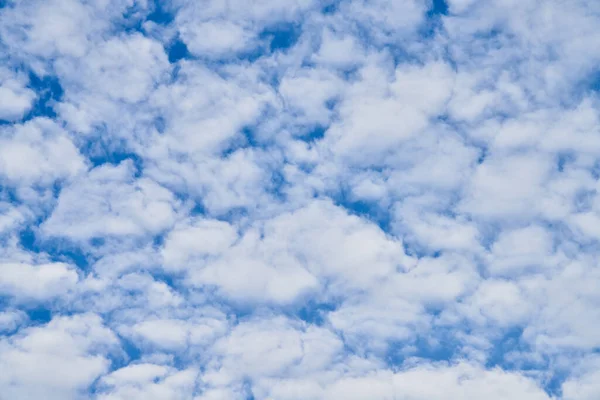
{"type": "Point", "coordinates": [299, 199]}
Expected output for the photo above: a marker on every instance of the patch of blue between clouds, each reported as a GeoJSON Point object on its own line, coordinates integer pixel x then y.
{"type": "Point", "coordinates": [314, 134]}
{"type": "Point", "coordinates": [414, 249]}
{"type": "Point", "coordinates": [49, 92]}
{"type": "Point", "coordinates": [198, 209]}
{"type": "Point", "coordinates": [100, 153]}
{"type": "Point", "coordinates": [438, 7]}
{"type": "Point", "coordinates": [595, 82]}
{"type": "Point", "coordinates": [281, 36]}
{"type": "Point", "coordinates": [329, 7]}
{"type": "Point", "coordinates": [39, 315]}
{"type": "Point", "coordinates": [510, 343]}
{"type": "Point", "coordinates": [364, 209]}
{"type": "Point", "coordinates": [129, 353]}
{"type": "Point", "coordinates": [177, 50]}
{"type": "Point", "coordinates": [247, 137]}
{"type": "Point", "coordinates": [315, 312]}
{"type": "Point", "coordinates": [58, 250]}
{"type": "Point", "coordinates": [445, 349]}
{"type": "Point", "coordinates": [161, 13]}
{"type": "Point", "coordinates": [8, 194]}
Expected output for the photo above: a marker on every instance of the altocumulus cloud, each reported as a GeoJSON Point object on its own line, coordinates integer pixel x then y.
{"type": "Point", "coordinates": [299, 199]}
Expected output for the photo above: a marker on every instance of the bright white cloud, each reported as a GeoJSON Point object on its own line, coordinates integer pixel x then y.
{"type": "Point", "coordinates": [116, 204]}
{"type": "Point", "coordinates": [37, 282]}
{"type": "Point", "coordinates": [72, 345]}
{"type": "Point", "coordinates": [38, 151]}
{"type": "Point", "coordinates": [15, 97]}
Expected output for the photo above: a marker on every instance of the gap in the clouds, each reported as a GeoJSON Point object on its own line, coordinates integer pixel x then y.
{"type": "Point", "coordinates": [587, 86]}
{"type": "Point", "coordinates": [364, 209]}
{"type": "Point", "coordinates": [198, 209]}
{"type": "Point", "coordinates": [247, 137]}
{"type": "Point", "coordinates": [439, 348]}
{"type": "Point", "coordinates": [177, 50]}
{"type": "Point", "coordinates": [315, 313]}
{"type": "Point", "coordinates": [39, 315]}
{"type": "Point", "coordinates": [132, 353]}
{"type": "Point", "coordinates": [504, 354]}
{"type": "Point", "coordinates": [553, 386]}
{"type": "Point", "coordinates": [169, 280]}
{"type": "Point", "coordinates": [314, 134]}
{"type": "Point", "coordinates": [160, 14]}
{"type": "Point", "coordinates": [100, 153]}
{"type": "Point", "coordinates": [368, 210]}
{"type": "Point", "coordinates": [433, 23]}
{"type": "Point", "coordinates": [49, 92]}
{"type": "Point", "coordinates": [280, 36]}
{"type": "Point", "coordinates": [438, 7]}
{"type": "Point", "coordinates": [330, 7]}
{"type": "Point", "coordinates": [56, 249]}
{"type": "Point", "coordinates": [510, 341]}
{"type": "Point", "coordinates": [412, 248]}
{"type": "Point", "coordinates": [595, 82]}
{"type": "Point", "coordinates": [8, 194]}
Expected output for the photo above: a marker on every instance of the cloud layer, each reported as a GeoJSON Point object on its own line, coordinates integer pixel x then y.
{"type": "Point", "coordinates": [299, 199]}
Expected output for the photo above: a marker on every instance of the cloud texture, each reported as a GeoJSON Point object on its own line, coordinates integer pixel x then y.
{"type": "Point", "coordinates": [300, 199]}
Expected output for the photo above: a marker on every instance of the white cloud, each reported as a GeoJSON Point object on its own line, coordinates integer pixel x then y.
{"type": "Point", "coordinates": [110, 201]}
{"type": "Point", "coordinates": [289, 255]}
{"type": "Point", "coordinates": [462, 381]}
{"type": "Point", "coordinates": [176, 335]}
{"type": "Point", "coordinates": [583, 386]}
{"type": "Point", "coordinates": [266, 348]}
{"type": "Point", "coordinates": [72, 345]}
{"type": "Point", "coordinates": [522, 249]}
{"type": "Point", "coordinates": [507, 187]}
{"type": "Point", "coordinates": [15, 98]}
{"type": "Point", "coordinates": [115, 74]}
{"type": "Point", "coordinates": [148, 381]}
{"type": "Point", "coordinates": [48, 149]}
{"type": "Point", "coordinates": [37, 282]}
{"type": "Point", "coordinates": [386, 108]}
{"type": "Point", "coordinates": [217, 28]}
{"type": "Point", "coordinates": [10, 320]}
{"type": "Point", "coordinates": [203, 109]}
{"type": "Point", "coordinates": [196, 240]}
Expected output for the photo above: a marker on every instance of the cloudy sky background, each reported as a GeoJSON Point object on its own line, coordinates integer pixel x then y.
{"type": "Point", "coordinates": [299, 199]}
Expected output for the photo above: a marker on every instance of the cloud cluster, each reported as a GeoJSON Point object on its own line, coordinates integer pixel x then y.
{"type": "Point", "coordinates": [299, 199]}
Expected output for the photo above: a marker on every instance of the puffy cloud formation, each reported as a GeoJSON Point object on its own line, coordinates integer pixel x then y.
{"type": "Point", "coordinates": [299, 199]}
